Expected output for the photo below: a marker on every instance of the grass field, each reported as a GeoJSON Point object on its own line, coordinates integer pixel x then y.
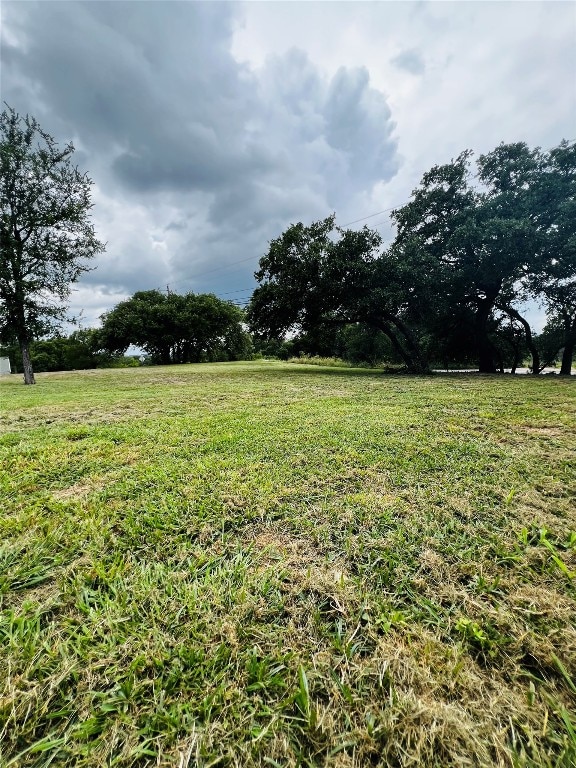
{"type": "Point", "coordinates": [262, 564]}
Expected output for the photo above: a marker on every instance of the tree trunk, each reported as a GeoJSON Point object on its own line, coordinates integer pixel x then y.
{"type": "Point", "coordinates": [569, 344]}
{"type": "Point", "coordinates": [408, 351]}
{"type": "Point", "coordinates": [500, 361]}
{"type": "Point", "coordinates": [419, 362]}
{"type": "Point", "coordinates": [27, 364]}
{"type": "Point", "coordinates": [567, 355]}
{"type": "Point", "coordinates": [398, 348]}
{"type": "Point", "coordinates": [485, 356]}
{"type": "Point", "coordinates": [516, 360]}
{"type": "Point", "coordinates": [536, 368]}
{"type": "Point", "coordinates": [485, 348]}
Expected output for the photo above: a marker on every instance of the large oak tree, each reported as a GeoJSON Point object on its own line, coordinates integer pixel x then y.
{"type": "Point", "coordinates": [471, 246]}
{"type": "Point", "coordinates": [321, 275]}
{"type": "Point", "coordinates": [478, 230]}
{"type": "Point", "coordinates": [502, 235]}
{"type": "Point", "coordinates": [553, 277]}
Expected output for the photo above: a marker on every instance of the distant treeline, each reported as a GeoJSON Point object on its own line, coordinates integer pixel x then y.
{"type": "Point", "coordinates": [79, 351]}
{"type": "Point", "coordinates": [169, 329]}
{"type": "Point", "coordinates": [356, 344]}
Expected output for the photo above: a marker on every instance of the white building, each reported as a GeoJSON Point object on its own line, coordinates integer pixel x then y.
{"type": "Point", "coordinates": [5, 366]}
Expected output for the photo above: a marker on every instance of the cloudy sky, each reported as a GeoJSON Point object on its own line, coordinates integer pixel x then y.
{"type": "Point", "coordinates": [208, 127]}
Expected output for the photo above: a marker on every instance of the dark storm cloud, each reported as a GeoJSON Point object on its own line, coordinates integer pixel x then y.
{"type": "Point", "coordinates": [322, 140]}
{"type": "Point", "coordinates": [152, 85]}
{"type": "Point", "coordinates": [198, 160]}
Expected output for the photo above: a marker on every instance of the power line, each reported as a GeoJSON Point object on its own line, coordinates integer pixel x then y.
{"type": "Point", "coordinates": [251, 258]}
{"type": "Point", "coordinates": [240, 290]}
{"type": "Point", "coordinates": [216, 269]}
{"type": "Point", "coordinates": [371, 216]}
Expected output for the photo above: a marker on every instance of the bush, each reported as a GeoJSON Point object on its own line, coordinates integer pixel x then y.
{"type": "Point", "coordinates": [328, 362]}
{"type": "Point", "coordinates": [122, 362]}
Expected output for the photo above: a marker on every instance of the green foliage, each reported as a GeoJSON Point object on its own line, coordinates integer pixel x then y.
{"type": "Point", "coordinates": [125, 361]}
{"type": "Point", "coordinates": [319, 278]}
{"type": "Point", "coordinates": [550, 342]}
{"type": "Point", "coordinates": [177, 329]}
{"type": "Point", "coordinates": [478, 236]}
{"type": "Point", "coordinates": [324, 362]}
{"type": "Point", "coordinates": [46, 238]}
{"type": "Point", "coordinates": [76, 352]}
{"type": "Point", "coordinates": [471, 244]}
{"type": "Point", "coordinates": [357, 344]}
{"type": "Point", "coordinates": [363, 345]}
{"type": "Point", "coordinates": [281, 349]}
{"type": "Point", "coordinates": [554, 276]}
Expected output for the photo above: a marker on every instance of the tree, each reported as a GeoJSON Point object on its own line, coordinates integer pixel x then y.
{"type": "Point", "coordinates": [176, 328]}
{"type": "Point", "coordinates": [46, 236]}
{"type": "Point", "coordinates": [510, 333]}
{"type": "Point", "coordinates": [550, 343]}
{"type": "Point", "coordinates": [480, 234]}
{"type": "Point", "coordinates": [141, 320]}
{"type": "Point", "coordinates": [503, 235]}
{"type": "Point", "coordinates": [321, 275]}
{"type": "Point", "coordinates": [210, 329]}
{"type": "Point", "coordinates": [78, 351]}
{"type": "Point", "coordinates": [361, 344]}
{"type": "Point", "coordinates": [469, 249]}
{"type": "Point", "coordinates": [554, 276]}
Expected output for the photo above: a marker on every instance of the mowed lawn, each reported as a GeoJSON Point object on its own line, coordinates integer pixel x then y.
{"type": "Point", "coordinates": [266, 564]}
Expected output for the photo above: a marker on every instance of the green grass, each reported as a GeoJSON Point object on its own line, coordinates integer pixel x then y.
{"type": "Point", "coordinates": [262, 564]}
{"type": "Point", "coordinates": [326, 362]}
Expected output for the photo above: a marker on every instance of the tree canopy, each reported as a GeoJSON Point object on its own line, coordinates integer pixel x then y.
{"type": "Point", "coordinates": [322, 275]}
{"type": "Point", "coordinates": [78, 351]}
{"type": "Point", "coordinates": [470, 248]}
{"type": "Point", "coordinates": [176, 329]}
{"type": "Point", "coordinates": [554, 275]}
{"type": "Point", "coordinates": [46, 237]}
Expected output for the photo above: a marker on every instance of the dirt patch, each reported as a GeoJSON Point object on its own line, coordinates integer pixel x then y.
{"type": "Point", "coordinates": [547, 431]}
{"type": "Point", "coordinates": [297, 555]}
{"type": "Point", "coordinates": [82, 489]}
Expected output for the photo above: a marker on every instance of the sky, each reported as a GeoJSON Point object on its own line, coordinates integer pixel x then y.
{"type": "Point", "coordinates": [209, 127]}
